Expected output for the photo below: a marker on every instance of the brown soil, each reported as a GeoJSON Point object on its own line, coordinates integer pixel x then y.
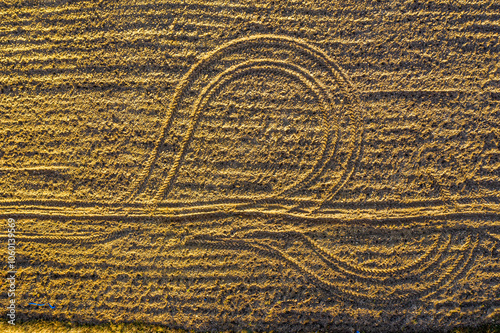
{"type": "Point", "coordinates": [263, 165]}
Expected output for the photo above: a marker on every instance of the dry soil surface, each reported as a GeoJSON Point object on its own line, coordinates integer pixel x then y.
{"type": "Point", "coordinates": [271, 165]}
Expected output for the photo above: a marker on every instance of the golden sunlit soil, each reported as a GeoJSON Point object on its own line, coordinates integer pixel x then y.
{"type": "Point", "coordinates": [68, 327]}
{"type": "Point", "coordinates": [261, 165]}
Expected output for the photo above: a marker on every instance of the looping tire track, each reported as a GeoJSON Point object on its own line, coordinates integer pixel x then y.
{"type": "Point", "coordinates": [295, 45]}
{"type": "Point", "coordinates": [249, 67]}
{"type": "Point", "coordinates": [251, 240]}
{"type": "Point", "coordinates": [359, 271]}
{"type": "Point", "coordinates": [427, 261]}
{"type": "Point", "coordinates": [460, 265]}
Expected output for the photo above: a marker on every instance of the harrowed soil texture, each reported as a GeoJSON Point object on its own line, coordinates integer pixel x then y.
{"type": "Point", "coordinates": [264, 165]}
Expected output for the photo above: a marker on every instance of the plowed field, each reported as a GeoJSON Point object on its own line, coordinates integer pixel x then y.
{"type": "Point", "coordinates": [270, 165]}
